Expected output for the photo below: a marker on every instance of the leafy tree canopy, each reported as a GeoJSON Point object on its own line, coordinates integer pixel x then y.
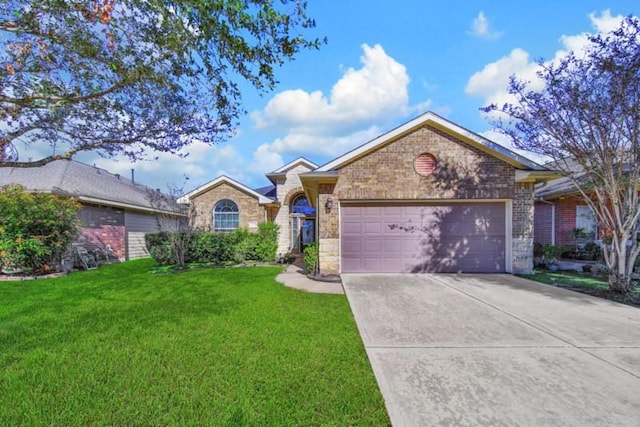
{"type": "Point", "coordinates": [123, 76]}
{"type": "Point", "coordinates": [586, 118]}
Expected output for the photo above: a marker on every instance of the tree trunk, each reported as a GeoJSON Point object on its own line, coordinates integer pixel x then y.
{"type": "Point", "coordinates": [619, 283]}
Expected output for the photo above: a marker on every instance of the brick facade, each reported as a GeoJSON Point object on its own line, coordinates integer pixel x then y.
{"type": "Point", "coordinates": [565, 220]}
{"type": "Point", "coordinates": [329, 231]}
{"type": "Point", "coordinates": [102, 227]}
{"type": "Point", "coordinates": [542, 224]}
{"type": "Point", "coordinates": [251, 213]}
{"type": "Point", "coordinates": [462, 172]}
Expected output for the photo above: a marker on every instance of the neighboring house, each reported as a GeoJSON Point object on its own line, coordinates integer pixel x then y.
{"type": "Point", "coordinates": [428, 196]}
{"type": "Point", "coordinates": [559, 210]}
{"type": "Point", "coordinates": [115, 214]}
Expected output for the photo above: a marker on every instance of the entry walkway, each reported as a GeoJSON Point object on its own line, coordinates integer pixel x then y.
{"type": "Point", "coordinates": [497, 350]}
{"type": "Point", "coordinates": [295, 277]}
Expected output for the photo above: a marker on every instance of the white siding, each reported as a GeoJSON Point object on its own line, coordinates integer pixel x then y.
{"type": "Point", "coordinates": [137, 225]}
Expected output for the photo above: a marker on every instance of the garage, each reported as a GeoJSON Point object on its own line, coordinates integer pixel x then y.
{"type": "Point", "coordinates": [423, 237]}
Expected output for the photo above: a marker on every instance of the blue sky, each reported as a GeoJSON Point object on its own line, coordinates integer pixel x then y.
{"type": "Point", "coordinates": [385, 63]}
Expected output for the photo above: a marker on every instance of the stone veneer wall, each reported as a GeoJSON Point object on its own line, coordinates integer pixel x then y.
{"type": "Point", "coordinates": [522, 226]}
{"type": "Point", "coordinates": [329, 231]}
{"type": "Point", "coordinates": [202, 207]}
{"type": "Point", "coordinates": [287, 188]}
{"type": "Point", "coordinates": [463, 172]}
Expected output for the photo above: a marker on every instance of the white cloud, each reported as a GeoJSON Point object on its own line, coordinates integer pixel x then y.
{"type": "Point", "coordinates": [492, 81]}
{"type": "Point", "coordinates": [164, 170]}
{"type": "Point", "coordinates": [481, 27]}
{"type": "Point", "coordinates": [361, 100]}
{"type": "Point", "coordinates": [372, 92]}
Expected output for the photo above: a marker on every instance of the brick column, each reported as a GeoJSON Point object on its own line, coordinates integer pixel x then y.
{"type": "Point", "coordinates": [522, 211]}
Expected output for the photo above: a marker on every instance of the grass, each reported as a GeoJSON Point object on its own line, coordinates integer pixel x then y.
{"type": "Point", "coordinates": [227, 347]}
{"type": "Point", "coordinates": [585, 283]}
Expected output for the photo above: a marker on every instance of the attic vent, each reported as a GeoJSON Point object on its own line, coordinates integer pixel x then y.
{"type": "Point", "coordinates": [425, 164]}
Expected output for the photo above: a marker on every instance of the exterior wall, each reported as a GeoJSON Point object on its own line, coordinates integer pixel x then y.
{"type": "Point", "coordinates": [463, 172]}
{"type": "Point", "coordinates": [566, 220]}
{"type": "Point", "coordinates": [102, 227]}
{"type": "Point", "coordinates": [542, 224]}
{"type": "Point", "coordinates": [522, 229]}
{"type": "Point", "coordinates": [201, 215]}
{"type": "Point", "coordinates": [329, 230]}
{"type": "Point", "coordinates": [137, 225]}
{"type": "Point", "coordinates": [286, 189]}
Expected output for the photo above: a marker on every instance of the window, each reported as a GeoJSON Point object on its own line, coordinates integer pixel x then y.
{"type": "Point", "coordinates": [585, 218]}
{"type": "Point", "coordinates": [226, 216]}
{"type": "Point", "coordinates": [300, 205]}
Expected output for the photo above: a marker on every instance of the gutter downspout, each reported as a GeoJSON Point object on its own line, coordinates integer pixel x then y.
{"type": "Point", "coordinates": [553, 219]}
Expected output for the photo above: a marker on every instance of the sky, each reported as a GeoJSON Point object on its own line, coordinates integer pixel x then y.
{"type": "Point", "coordinates": [384, 64]}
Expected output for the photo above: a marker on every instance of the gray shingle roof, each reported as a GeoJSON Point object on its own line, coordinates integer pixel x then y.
{"type": "Point", "coordinates": [79, 180]}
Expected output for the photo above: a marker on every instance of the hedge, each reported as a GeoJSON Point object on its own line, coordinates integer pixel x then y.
{"type": "Point", "coordinates": [219, 248]}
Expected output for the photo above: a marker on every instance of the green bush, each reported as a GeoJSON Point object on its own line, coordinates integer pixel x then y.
{"type": "Point", "coordinates": [35, 229]}
{"type": "Point", "coordinates": [219, 248]}
{"type": "Point", "coordinates": [311, 253]}
{"type": "Point", "coordinates": [216, 248]}
{"type": "Point", "coordinates": [268, 243]}
{"type": "Point", "coordinates": [159, 248]}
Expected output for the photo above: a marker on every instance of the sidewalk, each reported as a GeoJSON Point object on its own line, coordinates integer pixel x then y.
{"type": "Point", "coordinates": [294, 277]}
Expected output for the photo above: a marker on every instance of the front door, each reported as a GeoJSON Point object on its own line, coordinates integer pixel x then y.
{"type": "Point", "coordinates": [303, 233]}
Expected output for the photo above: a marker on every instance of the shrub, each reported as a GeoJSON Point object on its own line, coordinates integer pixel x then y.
{"type": "Point", "coordinates": [159, 248]}
{"type": "Point", "coordinates": [311, 253]}
{"type": "Point", "coordinates": [268, 244]}
{"type": "Point", "coordinates": [219, 248]}
{"type": "Point", "coordinates": [247, 248]}
{"type": "Point", "coordinates": [35, 229]}
{"type": "Point", "coordinates": [212, 247]}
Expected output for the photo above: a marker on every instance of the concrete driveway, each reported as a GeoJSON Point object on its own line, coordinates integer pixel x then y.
{"type": "Point", "coordinates": [497, 350]}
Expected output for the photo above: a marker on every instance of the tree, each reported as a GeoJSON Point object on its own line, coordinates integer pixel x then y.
{"type": "Point", "coordinates": [35, 229]}
{"type": "Point", "coordinates": [586, 119]}
{"type": "Point", "coordinates": [175, 235]}
{"type": "Point", "coordinates": [124, 76]}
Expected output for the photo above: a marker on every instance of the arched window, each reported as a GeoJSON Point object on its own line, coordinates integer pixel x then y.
{"type": "Point", "coordinates": [226, 216]}
{"type": "Point", "coordinates": [300, 205]}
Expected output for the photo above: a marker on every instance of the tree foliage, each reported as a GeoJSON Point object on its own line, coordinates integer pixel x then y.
{"type": "Point", "coordinates": [35, 229]}
{"type": "Point", "coordinates": [123, 76]}
{"type": "Point", "coordinates": [587, 120]}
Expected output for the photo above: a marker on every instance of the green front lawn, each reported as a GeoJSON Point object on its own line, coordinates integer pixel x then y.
{"type": "Point", "coordinates": [122, 346]}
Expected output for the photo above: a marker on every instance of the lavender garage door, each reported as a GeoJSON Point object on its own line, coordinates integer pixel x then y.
{"type": "Point", "coordinates": [457, 237]}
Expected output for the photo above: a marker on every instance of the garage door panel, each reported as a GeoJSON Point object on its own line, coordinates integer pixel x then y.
{"type": "Point", "coordinates": [467, 237]}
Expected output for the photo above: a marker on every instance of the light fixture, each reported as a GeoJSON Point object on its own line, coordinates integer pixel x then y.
{"type": "Point", "coordinates": [329, 204]}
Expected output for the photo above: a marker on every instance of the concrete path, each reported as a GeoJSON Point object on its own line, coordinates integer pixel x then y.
{"type": "Point", "coordinates": [497, 350]}
{"type": "Point", "coordinates": [295, 277]}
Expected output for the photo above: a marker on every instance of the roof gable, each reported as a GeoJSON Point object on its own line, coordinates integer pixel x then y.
{"type": "Point", "coordinates": [223, 179]}
{"type": "Point", "coordinates": [471, 138]}
{"type": "Point", "coordinates": [299, 161]}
